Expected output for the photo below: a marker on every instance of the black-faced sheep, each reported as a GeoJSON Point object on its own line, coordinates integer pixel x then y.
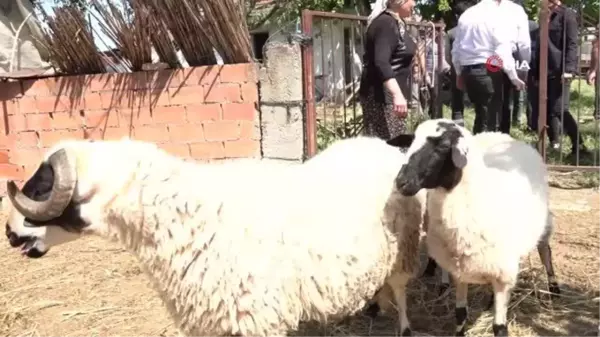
{"type": "Point", "coordinates": [487, 207]}
{"type": "Point", "coordinates": [236, 248]}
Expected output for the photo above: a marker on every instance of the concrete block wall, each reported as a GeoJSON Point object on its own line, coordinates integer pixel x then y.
{"type": "Point", "coordinates": [202, 113]}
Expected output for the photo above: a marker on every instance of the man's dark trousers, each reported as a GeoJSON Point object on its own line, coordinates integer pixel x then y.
{"type": "Point", "coordinates": [458, 97]}
{"type": "Point", "coordinates": [510, 92]}
{"type": "Point", "coordinates": [484, 89]}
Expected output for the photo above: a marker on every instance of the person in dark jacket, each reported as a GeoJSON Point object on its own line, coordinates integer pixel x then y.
{"type": "Point", "coordinates": [385, 80]}
{"type": "Point", "coordinates": [563, 23]}
{"type": "Point", "coordinates": [532, 110]}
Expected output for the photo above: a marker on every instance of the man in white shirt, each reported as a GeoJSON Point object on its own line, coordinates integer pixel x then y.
{"type": "Point", "coordinates": [482, 47]}
{"type": "Point", "coordinates": [521, 51]}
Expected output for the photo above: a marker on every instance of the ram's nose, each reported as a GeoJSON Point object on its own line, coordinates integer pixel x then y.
{"type": "Point", "coordinates": [13, 239]}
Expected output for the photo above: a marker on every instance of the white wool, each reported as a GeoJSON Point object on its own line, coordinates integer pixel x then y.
{"type": "Point", "coordinates": [495, 215]}
{"type": "Point", "coordinates": [251, 247]}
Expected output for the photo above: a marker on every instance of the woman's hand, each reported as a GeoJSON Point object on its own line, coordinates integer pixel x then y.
{"type": "Point", "coordinates": [400, 105]}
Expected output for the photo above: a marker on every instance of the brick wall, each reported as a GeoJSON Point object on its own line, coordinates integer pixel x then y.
{"type": "Point", "coordinates": [204, 113]}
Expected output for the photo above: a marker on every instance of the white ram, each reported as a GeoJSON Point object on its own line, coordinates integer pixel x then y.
{"type": "Point", "coordinates": [240, 248]}
{"type": "Point", "coordinates": [487, 207]}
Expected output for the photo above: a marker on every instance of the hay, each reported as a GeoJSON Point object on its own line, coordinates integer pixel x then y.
{"type": "Point", "coordinates": [91, 275]}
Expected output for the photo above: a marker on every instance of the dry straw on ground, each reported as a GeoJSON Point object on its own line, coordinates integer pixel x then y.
{"type": "Point", "coordinates": [94, 288]}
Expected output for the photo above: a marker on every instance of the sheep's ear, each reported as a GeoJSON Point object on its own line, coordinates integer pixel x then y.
{"type": "Point", "coordinates": [459, 152]}
{"type": "Point", "coordinates": [403, 140]}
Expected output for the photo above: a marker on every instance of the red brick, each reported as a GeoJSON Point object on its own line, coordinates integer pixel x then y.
{"type": "Point", "coordinates": [222, 93]}
{"type": "Point", "coordinates": [39, 87]}
{"type": "Point", "coordinates": [117, 133]}
{"type": "Point", "coordinates": [96, 133]}
{"type": "Point", "coordinates": [10, 90]}
{"type": "Point", "coordinates": [167, 78]}
{"type": "Point", "coordinates": [186, 95]}
{"type": "Point", "coordinates": [179, 150]}
{"type": "Point", "coordinates": [187, 133]}
{"type": "Point", "coordinates": [239, 111]}
{"type": "Point", "coordinates": [202, 75]}
{"type": "Point", "coordinates": [132, 81]}
{"type": "Point", "coordinates": [93, 101]}
{"type": "Point", "coordinates": [30, 156]}
{"type": "Point", "coordinates": [203, 112]}
{"type": "Point", "coordinates": [11, 171]}
{"type": "Point", "coordinates": [66, 120]}
{"type": "Point", "coordinates": [158, 97]}
{"type": "Point", "coordinates": [71, 86]}
{"type": "Point", "coordinates": [36, 122]}
{"type": "Point", "coordinates": [217, 131]}
{"type": "Point", "coordinates": [8, 141]}
{"type": "Point", "coordinates": [4, 159]}
{"type": "Point", "coordinates": [50, 104]}
{"type": "Point", "coordinates": [9, 107]}
{"type": "Point", "coordinates": [249, 130]}
{"type": "Point", "coordinates": [242, 148]}
{"type": "Point", "coordinates": [168, 115]}
{"type": "Point", "coordinates": [27, 139]}
{"type": "Point", "coordinates": [249, 92]}
{"type": "Point", "coordinates": [49, 138]}
{"type": "Point", "coordinates": [129, 99]}
{"type": "Point", "coordinates": [157, 134]}
{"type": "Point", "coordinates": [100, 82]}
{"type": "Point", "coordinates": [102, 118]}
{"type": "Point", "coordinates": [207, 150]}
{"type": "Point", "coordinates": [27, 105]}
{"type": "Point", "coordinates": [238, 73]}
{"type": "Point", "coordinates": [134, 117]}
{"type": "Point", "coordinates": [16, 123]}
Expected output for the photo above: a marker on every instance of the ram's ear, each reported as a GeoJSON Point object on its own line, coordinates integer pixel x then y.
{"type": "Point", "coordinates": [403, 140]}
{"type": "Point", "coordinates": [460, 151]}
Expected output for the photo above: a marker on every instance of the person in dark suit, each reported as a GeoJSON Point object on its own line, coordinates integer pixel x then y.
{"type": "Point", "coordinates": [532, 110]}
{"type": "Point", "coordinates": [562, 23]}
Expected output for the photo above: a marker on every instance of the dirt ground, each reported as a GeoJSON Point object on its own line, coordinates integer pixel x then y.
{"type": "Point", "coordinates": [95, 288]}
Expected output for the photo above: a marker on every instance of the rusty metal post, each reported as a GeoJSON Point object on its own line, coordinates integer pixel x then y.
{"type": "Point", "coordinates": [543, 78]}
{"type": "Point", "coordinates": [441, 58]}
{"type": "Point", "coordinates": [308, 75]}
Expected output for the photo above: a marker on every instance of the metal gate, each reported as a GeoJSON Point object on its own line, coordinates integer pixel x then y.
{"type": "Point", "coordinates": [332, 67]}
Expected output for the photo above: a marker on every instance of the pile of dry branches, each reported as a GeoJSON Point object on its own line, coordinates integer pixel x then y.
{"type": "Point", "coordinates": [70, 43]}
{"type": "Point", "coordinates": [197, 28]}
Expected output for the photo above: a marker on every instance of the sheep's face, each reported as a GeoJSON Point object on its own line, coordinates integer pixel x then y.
{"type": "Point", "coordinates": [59, 201]}
{"type": "Point", "coordinates": [435, 158]}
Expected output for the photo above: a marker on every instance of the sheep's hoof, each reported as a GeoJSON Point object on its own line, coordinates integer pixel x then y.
{"type": "Point", "coordinates": [443, 288]}
{"type": "Point", "coordinates": [406, 332]}
{"type": "Point", "coordinates": [554, 289]}
{"type": "Point", "coordinates": [500, 330]}
{"type": "Point", "coordinates": [430, 269]}
{"type": "Point", "coordinates": [373, 310]}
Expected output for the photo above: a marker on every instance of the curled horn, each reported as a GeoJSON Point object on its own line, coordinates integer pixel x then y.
{"type": "Point", "coordinates": [63, 187]}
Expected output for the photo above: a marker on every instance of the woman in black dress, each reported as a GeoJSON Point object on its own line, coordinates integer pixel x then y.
{"type": "Point", "coordinates": [385, 81]}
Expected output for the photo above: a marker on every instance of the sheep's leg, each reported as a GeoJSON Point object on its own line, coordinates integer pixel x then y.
{"type": "Point", "coordinates": [373, 307]}
{"type": "Point", "coordinates": [430, 269]}
{"type": "Point", "coordinates": [501, 299]}
{"type": "Point", "coordinates": [461, 311]}
{"type": "Point", "coordinates": [546, 256]}
{"type": "Point", "coordinates": [398, 284]}
{"type": "Point", "coordinates": [445, 282]}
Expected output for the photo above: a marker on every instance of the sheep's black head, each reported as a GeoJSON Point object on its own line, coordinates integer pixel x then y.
{"type": "Point", "coordinates": [435, 157]}
{"type": "Point", "coordinates": [43, 213]}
